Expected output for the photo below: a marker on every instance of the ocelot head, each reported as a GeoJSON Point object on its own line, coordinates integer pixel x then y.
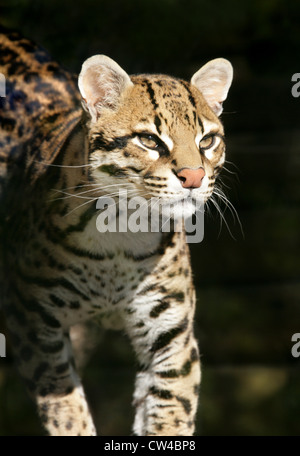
{"type": "Point", "coordinates": [155, 135]}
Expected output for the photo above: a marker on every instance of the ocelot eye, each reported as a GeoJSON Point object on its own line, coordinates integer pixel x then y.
{"type": "Point", "coordinates": [207, 142]}
{"type": "Point", "coordinates": [148, 141]}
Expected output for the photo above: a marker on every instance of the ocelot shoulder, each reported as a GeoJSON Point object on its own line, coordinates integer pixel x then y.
{"type": "Point", "coordinates": [40, 107]}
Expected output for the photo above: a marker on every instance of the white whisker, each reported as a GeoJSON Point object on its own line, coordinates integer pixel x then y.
{"type": "Point", "coordinates": [208, 207]}
{"type": "Point", "coordinates": [231, 164]}
{"type": "Point", "coordinates": [64, 166]}
{"type": "Point", "coordinates": [218, 192]}
{"type": "Point", "coordinates": [78, 195]}
{"type": "Point", "coordinates": [83, 186]}
{"type": "Point", "coordinates": [81, 205]}
{"type": "Point", "coordinates": [222, 218]}
{"type": "Point", "coordinates": [133, 193]}
{"type": "Point", "coordinates": [95, 199]}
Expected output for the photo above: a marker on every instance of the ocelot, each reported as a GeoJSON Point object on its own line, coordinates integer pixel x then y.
{"type": "Point", "coordinates": [148, 136]}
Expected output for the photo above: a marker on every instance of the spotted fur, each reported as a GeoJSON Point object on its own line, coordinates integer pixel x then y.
{"type": "Point", "coordinates": [58, 270]}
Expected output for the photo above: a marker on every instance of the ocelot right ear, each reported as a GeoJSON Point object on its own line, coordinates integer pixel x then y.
{"type": "Point", "coordinates": [101, 83]}
{"type": "Point", "coordinates": [214, 80]}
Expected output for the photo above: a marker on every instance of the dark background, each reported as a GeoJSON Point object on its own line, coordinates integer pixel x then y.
{"type": "Point", "coordinates": [248, 286]}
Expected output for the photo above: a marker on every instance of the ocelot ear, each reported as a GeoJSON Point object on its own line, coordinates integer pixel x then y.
{"type": "Point", "coordinates": [214, 80]}
{"type": "Point", "coordinates": [101, 83]}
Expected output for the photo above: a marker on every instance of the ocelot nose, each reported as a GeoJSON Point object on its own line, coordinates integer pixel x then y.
{"type": "Point", "coordinates": [191, 178]}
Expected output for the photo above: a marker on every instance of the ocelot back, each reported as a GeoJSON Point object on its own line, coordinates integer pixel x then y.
{"type": "Point", "coordinates": [151, 135]}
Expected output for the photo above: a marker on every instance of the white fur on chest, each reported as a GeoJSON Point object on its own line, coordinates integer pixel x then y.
{"type": "Point", "coordinates": [137, 244]}
{"type": "Point", "coordinates": [124, 267]}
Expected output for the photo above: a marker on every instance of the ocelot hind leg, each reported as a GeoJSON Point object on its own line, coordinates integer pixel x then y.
{"type": "Point", "coordinates": [44, 356]}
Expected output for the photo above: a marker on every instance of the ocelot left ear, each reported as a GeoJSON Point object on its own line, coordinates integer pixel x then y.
{"type": "Point", "coordinates": [214, 80]}
{"type": "Point", "coordinates": [101, 83]}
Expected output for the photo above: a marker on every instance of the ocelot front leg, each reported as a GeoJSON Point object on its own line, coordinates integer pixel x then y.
{"type": "Point", "coordinates": [44, 356]}
{"type": "Point", "coordinates": [167, 384]}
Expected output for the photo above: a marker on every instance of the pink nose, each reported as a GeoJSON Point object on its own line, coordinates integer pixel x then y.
{"type": "Point", "coordinates": [191, 178]}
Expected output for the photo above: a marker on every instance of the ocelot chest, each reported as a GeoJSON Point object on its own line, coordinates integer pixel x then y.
{"type": "Point", "coordinates": [88, 273]}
